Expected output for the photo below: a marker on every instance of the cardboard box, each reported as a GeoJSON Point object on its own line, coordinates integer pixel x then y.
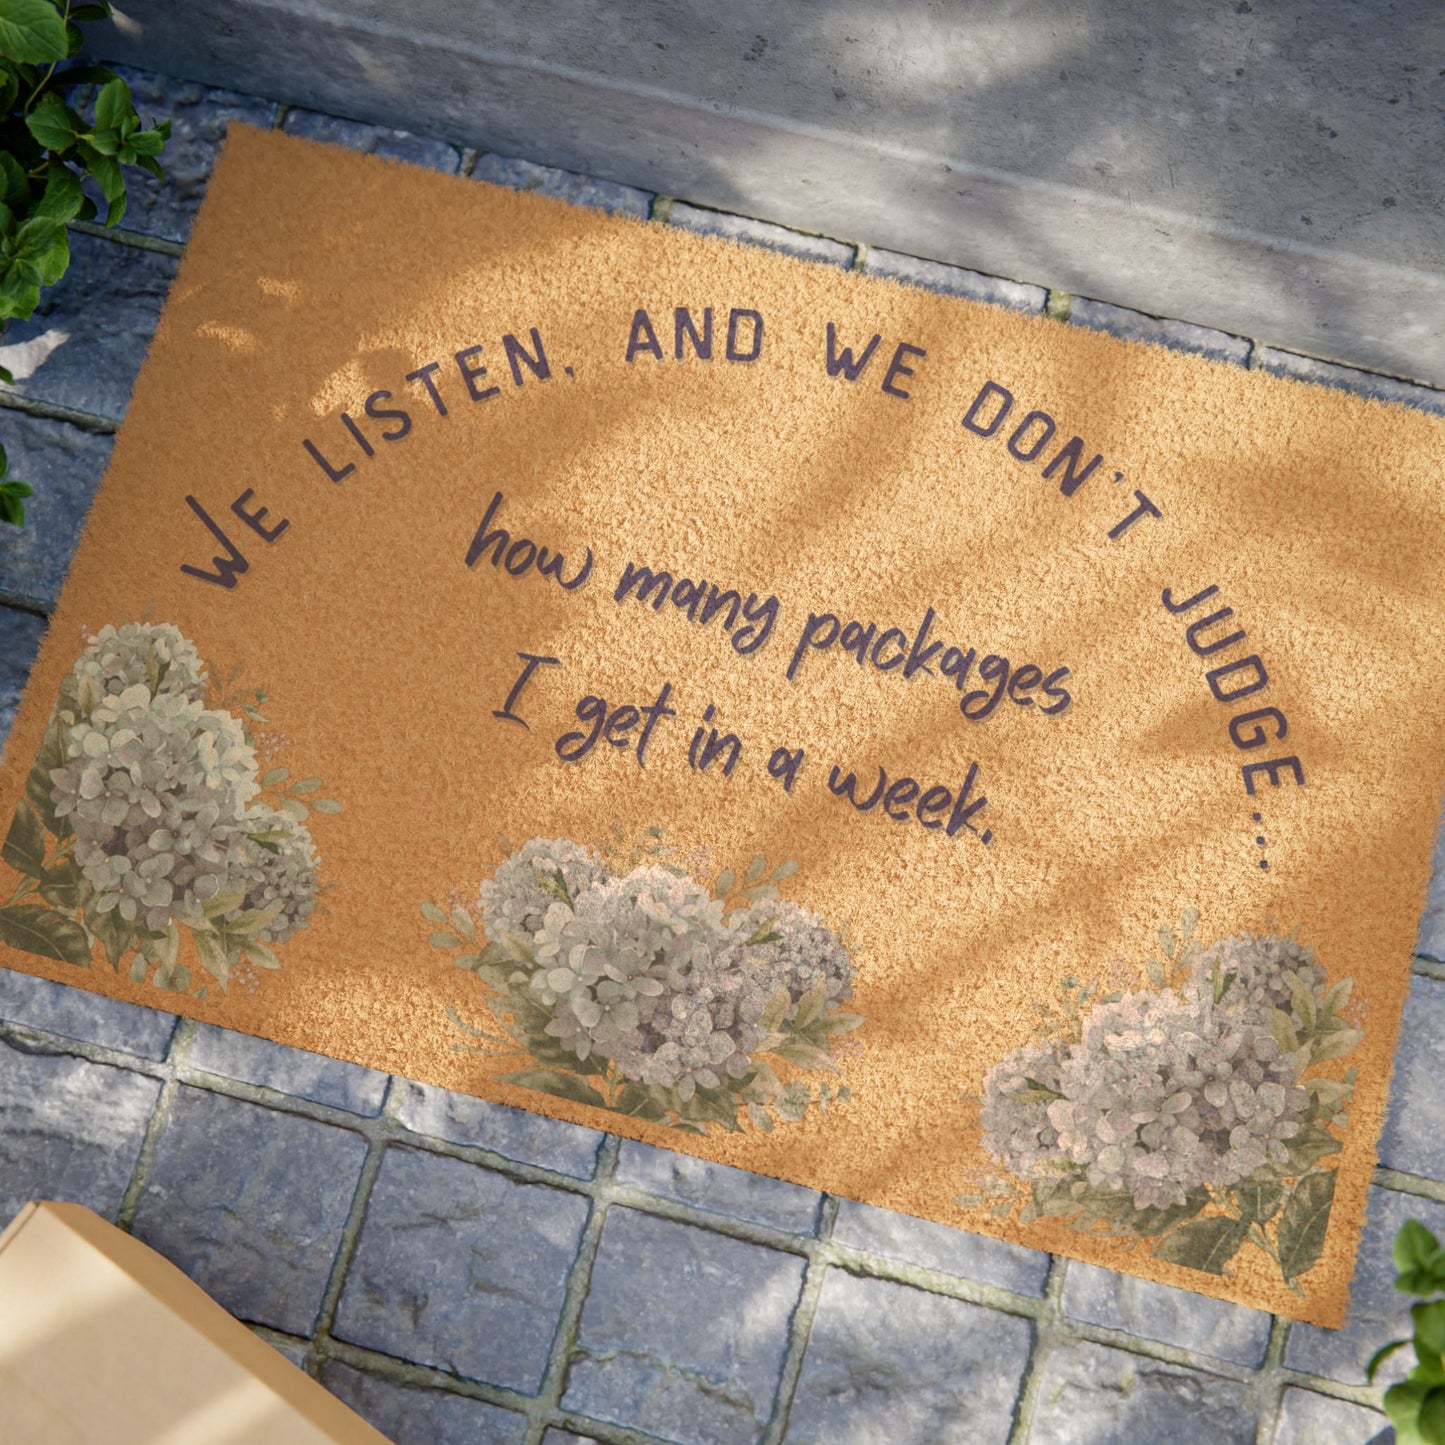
{"type": "Point", "coordinates": [103, 1342]}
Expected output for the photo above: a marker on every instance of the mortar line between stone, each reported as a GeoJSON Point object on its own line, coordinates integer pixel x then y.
{"type": "Point", "coordinates": [1045, 1326]}
{"type": "Point", "coordinates": [155, 1126]}
{"type": "Point", "coordinates": [49, 411]}
{"type": "Point", "coordinates": [29, 605]}
{"type": "Point", "coordinates": [124, 236]}
{"type": "Point", "coordinates": [1269, 1389]}
{"type": "Point", "coordinates": [800, 1327]}
{"type": "Point", "coordinates": [350, 1236]}
{"type": "Point", "coordinates": [547, 1407]}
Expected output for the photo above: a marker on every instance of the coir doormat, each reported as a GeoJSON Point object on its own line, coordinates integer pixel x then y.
{"type": "Point", "coordinates": [939, 756]}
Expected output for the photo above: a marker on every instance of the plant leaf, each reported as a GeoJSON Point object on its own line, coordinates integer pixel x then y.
{"type": "Point", "coordinates": [44, 932]}
{"type": "Point", "coordinates": [1204, 1244]}
{"type": "Point", "coordinates": [1304, 1222]}
{"type": "Point", "coordinates": [112, 105]}
{"type": "Point", "coordinates": [1259, 1198]}
{"type": "Point", "coordinates": [24, 848]}
{"type": "Point", "coordinates": [214, 959]}
{"type": "Point", "coordinates": [432, 913]}
{"type": "Point", "coordinates": [560, 1086]}
{"type": "Point", "coordinates": [53, 123]}
{"type": "Point", "coordinates": [756, 868]}
{"type": "Point", "coordinates": [724, 884]}
{"type": "Point", "coordinates": [1380, 1356]}
{"type": "Point", "coordinates": [31, 31]}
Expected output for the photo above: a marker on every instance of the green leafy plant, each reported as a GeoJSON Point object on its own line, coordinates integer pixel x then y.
{"type": "Point", "coordinates": [47, 150]}
{"type": "Point", "coordinates": [1416, 1406]}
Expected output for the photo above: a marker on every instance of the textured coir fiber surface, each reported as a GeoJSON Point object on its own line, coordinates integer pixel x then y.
{"type": "Point", "coordinates": [1207, 1118]}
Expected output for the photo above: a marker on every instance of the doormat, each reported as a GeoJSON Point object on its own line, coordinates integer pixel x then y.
{"type": "Point", "coordinates": [944, 757]}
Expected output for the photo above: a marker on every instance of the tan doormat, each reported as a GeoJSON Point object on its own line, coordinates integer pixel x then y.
{"type": "Point", "coordinates": [935, 755]}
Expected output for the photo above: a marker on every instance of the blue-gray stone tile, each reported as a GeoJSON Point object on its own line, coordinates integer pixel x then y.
{"type": "Point", "coordinates": [683, 1332]}
{"type": "Point", "coordinates": [1431, 938]}
{"type": "Point", "coordinates": [461, 1269]}
{"type": "Point", "coordinates": [1378, 1313]}
{"type": "Point", "coordinates": [940, 1247]}
{"type": "Point", "coordinates": [56, 1008]}
{"type": "Point", "coordinates": [415, 1415]}
{"type": "Point", "coordinates": [199, 116]}
{"type": "Point", "coordinates": [1178, 335]}
{"type": "Point", "coordinates": [251, 1202]}
{"type": "Point", "coordinates": [1092, 1395]}
{"type": "Point", "coordinates": [953, 280]}
{"type": "Point", "coordinates": [64, 464]}
{"type": "Point", "coordinates": [761, 233]}
{"type": "Point", "coordinates": [520, 175]}
{"type": "Point", "coordinates": [1172, 1316]}
{"type": "Point", "coordinates": [1346, 378]}
{"type": "Point", "coordinates": [69, 1130]}
{"type": "Point", "coordinates": [718, 1188]}
{"type": "Point", "coordinates": [1414, 1139]}
{"type": "Point", "coordinates": [289, 1071]}
{"type": "Point", "coordinates": [20, 634]}
{"type": "Point", "coordinates": [1306, 1418]}
{"type": "Point", "coordinates": [376, 140]}
{"type": "Point", "coordinates": [886, 1362]}
{"type": "Point", "coordinates": [514, 1133]}
{"type": "Point", "coordinates": [93, 327]}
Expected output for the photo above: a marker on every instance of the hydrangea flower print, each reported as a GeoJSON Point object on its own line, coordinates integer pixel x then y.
{"type": "Point", "coordinates": [633, 986]}
{"type": "Point", "coordinates": [149, 830]}
{"type": "Point", "coordinates": [1193, 1113]}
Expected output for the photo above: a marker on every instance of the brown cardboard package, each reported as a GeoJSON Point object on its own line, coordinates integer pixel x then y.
{"type": "Point", "coordinates": [103, 1342]}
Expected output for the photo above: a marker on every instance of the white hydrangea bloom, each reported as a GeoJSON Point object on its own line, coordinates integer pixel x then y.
{"type": "Point", "coordinates": [155, 788]}
{"type": "Point", "coordinates": [515, 899]}
{"type": "Point", "coordinates": [805, 953]}
{"type": "Point", "coordinates": [155, 654]}
{"type": "Point", "coordinates": [1160, 1096]}
{"type": "Point", "coordinates": [279, 872]}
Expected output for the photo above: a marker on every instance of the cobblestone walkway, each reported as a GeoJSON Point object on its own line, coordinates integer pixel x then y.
{"type": "Point", "coordinates": [459, 1271]}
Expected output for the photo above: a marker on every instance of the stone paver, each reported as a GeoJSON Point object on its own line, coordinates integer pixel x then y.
{"type": "Point", "coordinates": [1177, 335]}
{"type": "Point", "coordinates": [91, 1017]}
{"type": "Point", "coordinates": [412, 1415]}
{"type": "Point", "coordinates": [684, 1331]}
{"type": "Point", "coordinates": [199, 117]}
{"type": "Point", "coordinates": [1431, 938]}
{"type": "Point", "coordinates": [520, 175]}
{"type": "Point", "coordinates": [64, 464]}
{"type": "Point", "coordinates": [461, 1269]}
{"type": "Point", "coordinates": [1093, 1395]}
{"type": "Point", "coordinates": [1346, 378]}
{"type": "Point", "coordinates": [1306, 1418]}
{"type": "Point", "coordinates": [936, 1246]}
{"type": "Point", "coordinates": [1413, 1140]}
{"type": "Point", "coordinates": [1378, 1313]}
{"type": "Point", "coordinates": [761, 233]}
{"type": "Point", "coordinates": [718, 1188]}
{"type": "Point", "coordinates": [1171, 1316]}
{"type": "Point", "coordinates": [68, 1130]}
{"type": "Point", "coordinates": [886, 1362]}
{"type": "Point", "coordinates": [93, 326]}
{"type": "Point", "coordinates": [250, 1203]}
{"type": "Point", "coordinates": [289, 1071]}
{"type": "Point", "coordinates": [953, 280]}
{"type": "Point", "coordinates": [376, 140]}
{"type": "Point", "coordinates": [514, 1133]}
{"type": "Point", "coordinates": [20, 634]}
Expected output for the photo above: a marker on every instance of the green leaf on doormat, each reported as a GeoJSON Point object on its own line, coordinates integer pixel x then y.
{"type": "Point", "coordinates": [1204, 1244]}
{"type": "Point", "coordinates": [44, 932]}
{"type": "Point", "coordinates": [1303, 1224]}
{"type": "Point", "coordinates": [561, 1086]}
